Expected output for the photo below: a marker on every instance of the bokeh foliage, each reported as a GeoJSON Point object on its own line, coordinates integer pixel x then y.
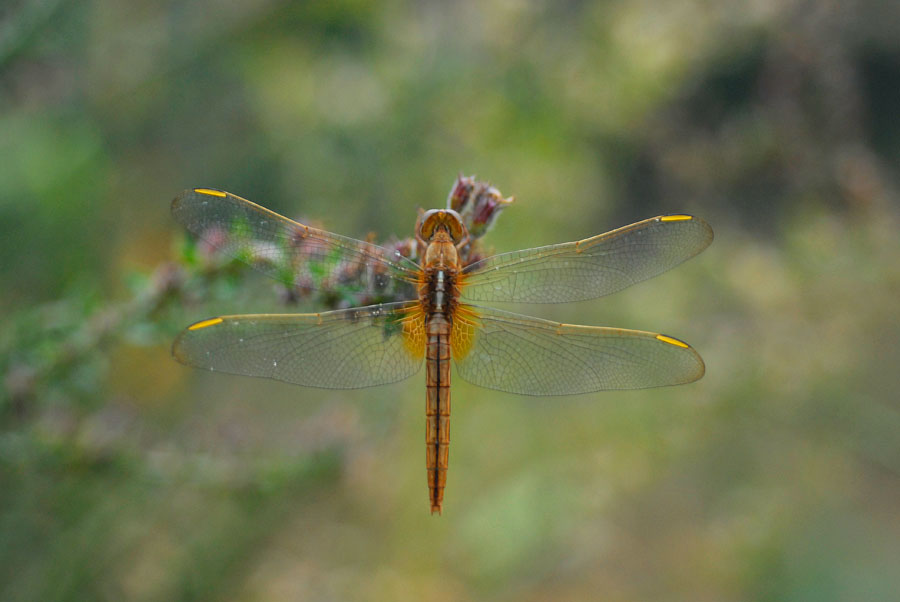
{"type": "Point", "coordinates": [124, 475]}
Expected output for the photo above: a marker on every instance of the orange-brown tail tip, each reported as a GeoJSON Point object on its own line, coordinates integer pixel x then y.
{"type": "Point", "coordinates": [436, 508]}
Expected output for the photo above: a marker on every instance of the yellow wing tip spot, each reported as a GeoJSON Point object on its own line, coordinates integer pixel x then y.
{"type": "Point", "coordinates": [672, 341]}
{"type": "Point", "coordinates": [205, 323]}
{"type": "Point", "coordinates": [676, 218]}
{"type": "Point", "coordinates": [210, 192]}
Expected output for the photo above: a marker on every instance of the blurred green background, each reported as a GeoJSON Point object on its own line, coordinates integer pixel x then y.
{"type": "Point", "coordinates": [124, 475]}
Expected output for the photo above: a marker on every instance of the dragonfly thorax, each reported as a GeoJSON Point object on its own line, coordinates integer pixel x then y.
{"type": "Point", "coordinates": [441, 253]}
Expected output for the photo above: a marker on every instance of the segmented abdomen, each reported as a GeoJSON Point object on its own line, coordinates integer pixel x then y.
{"type": "Point", "coordinates": [437, 406]}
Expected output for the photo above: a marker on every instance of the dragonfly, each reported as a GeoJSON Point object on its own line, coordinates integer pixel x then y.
{"type": "Point", "coordinates": [435, 318]}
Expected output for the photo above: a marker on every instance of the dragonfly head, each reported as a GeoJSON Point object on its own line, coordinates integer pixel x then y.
{"type": "Point", "coordinates": [442, 220]}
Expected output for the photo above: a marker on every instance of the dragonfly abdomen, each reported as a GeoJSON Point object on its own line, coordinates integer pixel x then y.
{"type": "Point", "coordinates": [437, 406]}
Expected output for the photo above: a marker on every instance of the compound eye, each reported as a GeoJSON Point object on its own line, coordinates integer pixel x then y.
{"type": "Point", "coordinates": [429, 223]}
{"type": "Point", "coordinates": [454, 225]}
{"type": "Point", "coordinates": [456, 230]}
{"type": "Point", "coordinates": [444, 219]}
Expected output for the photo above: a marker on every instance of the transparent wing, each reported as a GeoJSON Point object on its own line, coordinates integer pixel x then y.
{"type": "Point", "coordinates": [345, 349]}
{"type": "Point", "coordinates": [519, 354]}
{"type": "Point", "coordinates": [295, 254]}
{"type": "Point", "coordinates": [588, 268]}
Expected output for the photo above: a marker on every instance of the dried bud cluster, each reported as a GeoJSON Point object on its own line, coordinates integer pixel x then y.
{"type": "Point", "coordinates": [478, 203]}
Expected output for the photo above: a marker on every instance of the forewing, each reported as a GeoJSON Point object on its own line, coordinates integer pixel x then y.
{"type": "Point", "coordinates": [589, 268]}
{"type": "Point", "coordinates": [530, 356]}
{"type": "Point", "coordinates": [345, 349]}
{"type": "Point", "coordinates": [296, 254]}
